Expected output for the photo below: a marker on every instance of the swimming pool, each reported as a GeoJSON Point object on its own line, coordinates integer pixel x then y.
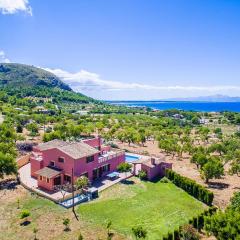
{"type": "Point", "coordinates": [77, 199]}
{"type": "Point", "coordinates": [131, 158]}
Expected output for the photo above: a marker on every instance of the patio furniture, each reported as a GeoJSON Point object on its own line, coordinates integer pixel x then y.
{"type": "Point", "coordinates": [113, 175]}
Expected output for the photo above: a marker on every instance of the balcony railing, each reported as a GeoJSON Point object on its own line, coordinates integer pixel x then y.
{"type": "Point", "coordinates": [110, 156]}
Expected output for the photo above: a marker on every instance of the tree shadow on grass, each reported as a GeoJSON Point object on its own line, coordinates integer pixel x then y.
{"type": "Point", "coordinates": [8, 184]}
{"type": "Point", "coordinates": [25, 223]}
{"type": "Point", "coordinates": [67, 229]}
{"type": "Point", "coordinates": [217, 185]}
{"type": "Point", "coordinates": [127, 182]}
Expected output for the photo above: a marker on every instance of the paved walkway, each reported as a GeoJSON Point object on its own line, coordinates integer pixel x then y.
{"type": "Point", "coordinates": [106, 183]}
{"type": "Point", "coordinates": [31, 183]}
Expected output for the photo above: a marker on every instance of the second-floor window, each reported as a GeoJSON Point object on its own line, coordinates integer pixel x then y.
{"type": "Point", "coordinates": [90, 159]}
{"type": "Point", "coordinates": [61, 159]}
{"type": "Point", "coordinates": [52, 163]}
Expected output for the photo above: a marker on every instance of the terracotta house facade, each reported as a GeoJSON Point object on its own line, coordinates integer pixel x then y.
{"type": "Point", "coordinates": [52, 163]}
{"type": "Point", "coordinates": [154, 167]}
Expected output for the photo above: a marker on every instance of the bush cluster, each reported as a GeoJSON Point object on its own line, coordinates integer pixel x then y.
{"type": "Point", "coordinates": [195, 223]}
{"type": "Point", "coordinates": [191, 187]}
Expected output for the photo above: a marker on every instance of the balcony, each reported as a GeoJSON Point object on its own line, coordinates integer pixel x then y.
{"type": "Point", "coordinates": [109, 156]}
{"type": "Point", "coordinates": [36, 156]}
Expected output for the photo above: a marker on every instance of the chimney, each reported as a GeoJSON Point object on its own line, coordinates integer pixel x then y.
{"type": "Point", "coordinates": [153, 161]}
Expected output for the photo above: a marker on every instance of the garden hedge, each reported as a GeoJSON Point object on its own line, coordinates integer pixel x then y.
{"type": "Point", "coordinates": [191, 187]}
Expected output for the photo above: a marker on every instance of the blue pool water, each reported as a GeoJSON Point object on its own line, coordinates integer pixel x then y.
{"type": "Point", "coordinates": [78, 199]}
{"type": "Point", "coordinates": [130, 158]}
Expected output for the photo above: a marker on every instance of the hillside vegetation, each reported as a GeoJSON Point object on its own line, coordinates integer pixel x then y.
{"type": "Point", "coordinates": [21, 75]}
{"type": "Point", "coordinates": [29, 81]}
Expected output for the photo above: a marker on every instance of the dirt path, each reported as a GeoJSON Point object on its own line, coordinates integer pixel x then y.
{"type": "Point", "coordinates": [223, 188]}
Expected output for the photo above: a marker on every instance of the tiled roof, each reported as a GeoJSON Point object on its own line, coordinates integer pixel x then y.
{"type": "Point", "coordinates": [48, 172]}
{"type": "Point", "coordinates": [51, 144]}
{"type": "Point", "coordinates": [75, 150]}
{"type": "Point", "coordinates": [78, 150]}
{"type": "Point", "coordinates": [148, 161]}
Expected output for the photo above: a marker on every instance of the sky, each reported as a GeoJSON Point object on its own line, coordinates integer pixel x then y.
{"type": "Point", "coordinates": [128, 50]}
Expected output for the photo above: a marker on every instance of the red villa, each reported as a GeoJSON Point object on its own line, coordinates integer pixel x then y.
{"type": "Point", "coordinates": [52, 162]}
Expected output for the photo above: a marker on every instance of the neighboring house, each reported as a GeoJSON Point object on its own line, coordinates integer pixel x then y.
{"type": "Point", "coordinates": [52, 162]}
{"type": "Point", "coordinates": [204, 121]}
{"type": "Point", "coordinates": [154, 167]}
{"type": "Point", "coordinates": [178, 116]}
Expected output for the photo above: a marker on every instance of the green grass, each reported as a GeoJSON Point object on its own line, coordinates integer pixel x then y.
{"type": "Point", "coordinates": [158, 207]}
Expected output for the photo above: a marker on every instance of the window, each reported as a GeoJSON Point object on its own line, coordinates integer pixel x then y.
{"type": "Point", "coordinates": [48, 180]}
{"type": "Point", "coordinates": [61, 159]}
{"type": "Point", "coordinates": [90, 159]}
{"type": "Point", "coordinates": [106, 168]}
{"type": "Point", "coordinates": [52, 163]}
{"type": "Point", "coordinates": [67, 178]}
{"type": "Point", "coordinates": [85, 174]}
{"type": "Point", "coordinates": [40, 178]}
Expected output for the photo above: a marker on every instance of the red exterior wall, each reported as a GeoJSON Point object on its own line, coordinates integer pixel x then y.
{"type": "Point", "coordinates": [53, 155]}
{"type": "Point", "coordinates": [94, 142]}
{"type": "Point", "coordinates": [157, 171]}
{"type": "Point", "coordinates": [44, 184]}
{"type": "Point", "coordinates": [35, 166]}
{"type": "Point", "coordinates": [80, 166]}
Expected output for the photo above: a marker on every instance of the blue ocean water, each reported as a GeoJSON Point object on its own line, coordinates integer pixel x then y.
{"type": "Point", "coordinates": [189, 106]}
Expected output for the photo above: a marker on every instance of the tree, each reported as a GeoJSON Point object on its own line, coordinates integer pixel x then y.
{"type": "Point", "coordinates": [212, 169]}
{"type": "Point", "coordinates": [19, 129]}
{"type": "Point", "coordinates": [188, 232]}
{"type": "Point", "coordinates": [35, 230]}
{"type": "Point", "coordinates": [81, 183]}
{"type": "Point", "coordinates": [124, 168]}
{"type": "Point", "coordinates": [142, 175]}
{"type": "Point", "coordinates": [80, 236]}
{"type": "Point", "coordinates": [109, 233]}
{"type": "Point", "coordinates": [199, 159]}
{"type": "Point", "coordinates": [139, 232]}
{"type": "Point", "coordinates": [24, 215]}
{"type": "Point", "coordinates": [66, 222]}
{"type": "Point", "coordinates": [7, 165]}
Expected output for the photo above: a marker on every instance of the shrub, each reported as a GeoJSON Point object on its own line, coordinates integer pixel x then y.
{"type": "Point", "coordinates": [142, 175]}
{"type": "Point", "coordinates": [24, 214]}
{"type": "Point", "coordinates": [164, 180]}
{"type": "Point", "coordinates": [191, 187]}
{"type": "Point", "coordinates": [188, 232]}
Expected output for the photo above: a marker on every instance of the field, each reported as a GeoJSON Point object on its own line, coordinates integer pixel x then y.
{"type": "Point", "coordinates": [158, 207]}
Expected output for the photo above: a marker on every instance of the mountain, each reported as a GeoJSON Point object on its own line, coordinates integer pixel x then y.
{"type": "Point", "coordinates": [24, 80]}
{"type": "Point", "coordinates": [21, 75]}
{"type": "Point", "coordinates": [213, 98]}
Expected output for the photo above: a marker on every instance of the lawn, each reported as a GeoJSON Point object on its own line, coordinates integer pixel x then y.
{"type": "Point", "coordinates": [45, 215]}
{"type": "Point", "coordinates": [158, 207]}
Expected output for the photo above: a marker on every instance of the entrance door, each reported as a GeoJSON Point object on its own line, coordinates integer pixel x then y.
{"type": "Point", "coordinates": [100, 172]}
{"type": "Point", "coordinates": [95, 174]}
{"type": "Point", "coordinates": [57, 180]}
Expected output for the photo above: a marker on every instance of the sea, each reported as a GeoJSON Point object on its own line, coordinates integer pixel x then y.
{"type": "Point", "coordinates": [183, 105]}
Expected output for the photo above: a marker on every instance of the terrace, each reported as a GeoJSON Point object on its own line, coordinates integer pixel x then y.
{"type": "Point", "coordinates": [109, 155]}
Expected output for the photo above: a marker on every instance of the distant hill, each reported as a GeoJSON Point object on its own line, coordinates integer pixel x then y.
{"type": "Point", "coordinates": [21, 75]}
{"type": "Point", "coordinates": [25, 80]}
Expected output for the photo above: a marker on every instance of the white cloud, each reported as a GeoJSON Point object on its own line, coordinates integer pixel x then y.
{"type": "Point", "coordinates": [3, 58]}
{"type": "Point", "coordinates": [84, 80]}
{"type": "Point", "coordinates": [14, 6]}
